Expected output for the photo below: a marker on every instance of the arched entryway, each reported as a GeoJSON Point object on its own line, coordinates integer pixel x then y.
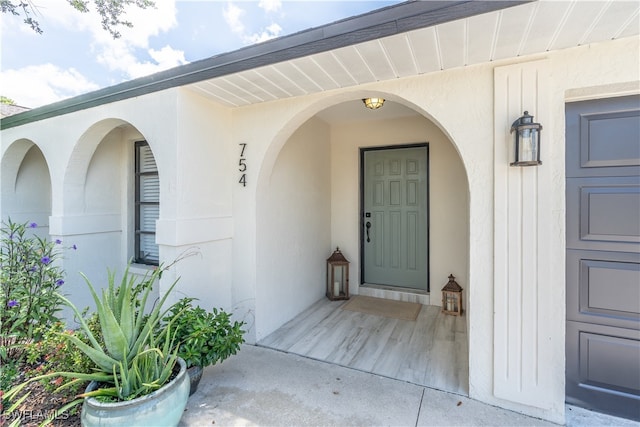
{"type": "Point", "coordinates": [309, 202]}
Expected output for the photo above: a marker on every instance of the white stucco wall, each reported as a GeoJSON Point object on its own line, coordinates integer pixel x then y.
{"type": "Point", "coordinates": [196, 217]}
{"type": "Point", "coordinates": [294, 228]}
{"type": "Point", "coordinates": [235, 228]}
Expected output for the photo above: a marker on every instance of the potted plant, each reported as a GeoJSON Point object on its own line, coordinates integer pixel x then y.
{"type": "Point", "coordinates": [203, 337]}
{"type": "Point", "coordinates": [135, 364]}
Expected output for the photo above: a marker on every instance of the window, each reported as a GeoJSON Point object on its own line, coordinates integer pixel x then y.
{"type": "Point", "coordinates": [147, 205]}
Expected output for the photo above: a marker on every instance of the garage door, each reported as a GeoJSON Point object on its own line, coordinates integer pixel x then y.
{"type": "Point", "coordinates": [603, 255]}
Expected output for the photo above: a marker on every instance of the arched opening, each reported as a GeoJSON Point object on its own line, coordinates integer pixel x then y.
{"type": "Point", "coordinates": [26, 186]}
{"type": "Point", "coordinates": [309, 202]}
{"type": "Point", "coordinates": [99, 203]}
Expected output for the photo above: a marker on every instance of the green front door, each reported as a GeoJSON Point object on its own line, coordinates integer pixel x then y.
{"type": "Point", "coordinates": [395, 217]}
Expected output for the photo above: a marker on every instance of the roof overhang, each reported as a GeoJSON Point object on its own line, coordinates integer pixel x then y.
{"type": "Point", "coordinates": [370, 26]}
{"type": "Point", "coordinates": [410, 38]}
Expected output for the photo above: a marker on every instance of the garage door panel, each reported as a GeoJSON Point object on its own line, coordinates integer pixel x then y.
{"type": "Point", "coordinates": [609, 213]}
{"type": "Point", "coordinates": [602, 137]}
{"type": "Point", "coordinates": [607, 210]}
{"type": "Point", "coordinates": [601, 147]}
{"type": "Point", "coordinates": [607, 372]}
{"type": "Point", "coordinates": [603, 288]}
{"type": "Point", "coordinates": [609, 362]}
{"type": "Point", "coordinates": [606, 282]}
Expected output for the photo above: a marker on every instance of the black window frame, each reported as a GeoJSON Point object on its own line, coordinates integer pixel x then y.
{"type": "Point", "coordinates": [138, 257]}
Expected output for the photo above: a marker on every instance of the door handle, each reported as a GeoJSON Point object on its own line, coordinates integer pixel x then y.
{"type": "Point", "coordinates": [368, 225]}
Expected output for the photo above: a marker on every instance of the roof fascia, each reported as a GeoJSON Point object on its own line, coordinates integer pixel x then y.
{"type": "Point", "coordinates": [380, 23]}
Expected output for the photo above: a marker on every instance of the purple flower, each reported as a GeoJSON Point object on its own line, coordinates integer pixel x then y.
{"type": "Point", "coordinates": [12, 303]}
{"type": "Point", "coordinates": [59, 282]}
{"type": "Point", "coordinates": [58, 241]}
{"type": "Point", "coordinates": [74, 247]}
{"type": "Point", "coordinates": [33, 268]}
{"type": "Point", "coordinates": [45, 260]}
{"type": "Point", "coordinates": [33, 225]}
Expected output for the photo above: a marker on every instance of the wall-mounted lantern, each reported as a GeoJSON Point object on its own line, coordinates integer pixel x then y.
{"type": "Point", "coordinates": [373, 103]}
{"type": "Point", "coordinates": [527, 141]}
{"type": "Point", "coordinates": [337, 276]}
{"type": "Point", "coordinates": [452, 297]}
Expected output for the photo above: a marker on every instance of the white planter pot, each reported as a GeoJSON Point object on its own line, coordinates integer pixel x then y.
{"type": "Point", "coordinates": [163, 407]}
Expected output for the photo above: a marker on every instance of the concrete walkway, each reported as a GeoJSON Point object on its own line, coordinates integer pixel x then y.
{"type": "Point", "coordinates": [264, 387]}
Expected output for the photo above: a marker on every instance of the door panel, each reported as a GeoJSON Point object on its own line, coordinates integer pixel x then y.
{"type": "Point", "coordinates": [603, 255]}
{"type": "Point", "coordinates": [601, 288]}
{"type": "Point", "coordinates": [607, 375]}
{"type": "Point", "coordinates": [602, 138]}
{"type": "Point", "coordinates": [604, 213]}
{"type": "Point", "coordinates": [395, 227]}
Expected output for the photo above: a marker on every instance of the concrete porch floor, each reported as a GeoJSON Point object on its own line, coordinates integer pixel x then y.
{"type": "Point", "coordinates": [266, 387]}
{"type": "Point", "coordinates": [430, 351]}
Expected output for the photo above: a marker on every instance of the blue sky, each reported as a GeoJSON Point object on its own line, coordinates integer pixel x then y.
{"type": "Point", "coordinates": [75, 56]}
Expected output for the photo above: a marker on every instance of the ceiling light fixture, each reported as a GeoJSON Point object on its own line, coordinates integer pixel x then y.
{"type": "Point", "coordinates": [373, 103]}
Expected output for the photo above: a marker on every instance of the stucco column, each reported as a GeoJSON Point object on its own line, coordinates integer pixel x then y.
{"type": "Point", "coordinates": [528, 299]}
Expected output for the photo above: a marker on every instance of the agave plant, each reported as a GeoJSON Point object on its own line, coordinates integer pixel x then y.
{"type": "Point", "coordinates": [136, 358]}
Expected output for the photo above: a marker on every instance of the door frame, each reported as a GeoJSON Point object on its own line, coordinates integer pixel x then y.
{"type": "Point", "coordinates": [361, 221]}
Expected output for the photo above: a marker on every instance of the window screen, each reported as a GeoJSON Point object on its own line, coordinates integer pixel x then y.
{"type": "Point", "coordinates": [147, 205]}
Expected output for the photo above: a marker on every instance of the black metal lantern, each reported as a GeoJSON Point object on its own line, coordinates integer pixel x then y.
{"type": "Point", "coordinates": [452, 297]}
{"type": "Point", "coordinates": [337, 276]}
{"type": "Point", "coordinates": [527, 141]}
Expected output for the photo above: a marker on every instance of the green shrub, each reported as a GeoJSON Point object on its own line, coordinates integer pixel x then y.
{"type": "Point", "coordinates": [31, 281]}
{"type": "Point", "coordinates": [54, 352]}
{"type": "Point", "coordinates": [8, 374]}
{"type": "Point", "coordinates": [204, 337]}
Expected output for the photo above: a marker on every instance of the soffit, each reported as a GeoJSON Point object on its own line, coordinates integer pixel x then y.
{"type": "Point", "coordinates": [515, 31]}
{"type": "Point", "coordinates": [408, 39]}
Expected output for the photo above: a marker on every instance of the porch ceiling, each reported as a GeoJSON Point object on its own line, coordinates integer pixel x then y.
{"type": "Point", "coordinates": [515, 31]}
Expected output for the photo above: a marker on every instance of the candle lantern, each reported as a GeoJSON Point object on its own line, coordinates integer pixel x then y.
{"type": "Point", "coordinates": [452, 297]}
{"type": "Point", "coordinates": [337, 276]}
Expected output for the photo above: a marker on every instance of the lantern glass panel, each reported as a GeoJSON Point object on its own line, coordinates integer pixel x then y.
{"type": "Point", "coordinates": [528, 145]}
{"type": "Point", "coordinates": [337, 280]}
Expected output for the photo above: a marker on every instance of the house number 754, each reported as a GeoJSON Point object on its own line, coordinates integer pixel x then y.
{"type": "Point", "coordinates": [242, 165]}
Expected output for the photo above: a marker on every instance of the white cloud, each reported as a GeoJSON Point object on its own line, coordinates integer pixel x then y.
{"type": "Point", "coordinates": [271, 32]}
{"type": "Point", "coordinates": [38, 85]}
{"type": "Point", "coordinates": [118, 56]}
{"type": "Point", "coordinates": [111, 52]}
{"type": "Point", "coordinates": [164, 59]}
{"type": "Point", "coordinates": [148, 22]}
{"type": "Point", "coordinates": [234, 16]}
{"type": "Point", "coordinates": [122, 54]}
{"type": "Point", "coordinates": [270, 5]}
{"type": "Point", "coordinates": [167, 57]}
{"type": "Point", "coordinates": [130, 56]}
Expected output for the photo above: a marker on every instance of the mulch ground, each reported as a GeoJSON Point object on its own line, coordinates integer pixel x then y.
{"type": "Point", "coordinates": [41, 405]}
